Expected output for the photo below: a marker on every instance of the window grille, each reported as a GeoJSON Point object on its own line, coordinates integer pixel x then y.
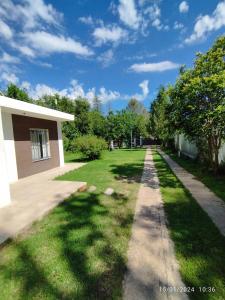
{"type": "Point", "coordinates": [39, 144]}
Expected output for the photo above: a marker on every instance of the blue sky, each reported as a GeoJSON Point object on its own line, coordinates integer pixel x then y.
{"type": "Point", "coordinates": [115, 49]}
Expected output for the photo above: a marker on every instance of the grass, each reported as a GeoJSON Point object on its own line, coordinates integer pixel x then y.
{"type": "Point", "coordinates": [73, 157]}
{"type": "Point", "coordinates": [216, 183]}
{"type": "Point", "coordinates": [199, 246]}
{"type": "Point", "coordinates": [79, 250]}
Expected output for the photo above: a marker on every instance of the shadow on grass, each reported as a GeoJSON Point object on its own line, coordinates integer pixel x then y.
{"type": "Point", "coordinates": [78, 227]}
{"type": "Point", "coordinates": [78, 159]}
{"type": "Point", "coordinates": [129, 172]}
{"type": "Point", "coordinates": [199, 245]}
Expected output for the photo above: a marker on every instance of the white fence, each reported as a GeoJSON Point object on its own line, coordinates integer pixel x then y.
{"type": "Point", "coordinates": [188, 148]}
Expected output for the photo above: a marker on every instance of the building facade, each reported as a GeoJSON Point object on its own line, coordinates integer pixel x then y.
{"type": "Point", "coordinates": [30, 142]}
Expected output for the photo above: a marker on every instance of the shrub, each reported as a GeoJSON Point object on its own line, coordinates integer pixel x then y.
{"type": "Point", "coordinates": [66, 143]}
{"type": "Point", "coordinates": [90, 146]}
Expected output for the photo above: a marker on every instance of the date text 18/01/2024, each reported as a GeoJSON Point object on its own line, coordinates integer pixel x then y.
{"type": "Point", "coordinates": [187, 289]}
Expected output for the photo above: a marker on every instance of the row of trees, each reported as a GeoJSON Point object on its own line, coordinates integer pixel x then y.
{"type": "Point", "coordinates": [195, 105]}
{"type": "Point", "coordinates": [89, 120]}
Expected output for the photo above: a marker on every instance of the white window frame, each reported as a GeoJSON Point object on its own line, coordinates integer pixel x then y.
{"type": "Point", "coordinates": [37, 146]}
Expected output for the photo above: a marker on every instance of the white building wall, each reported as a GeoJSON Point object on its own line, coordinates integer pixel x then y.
{"type": "Point", "coordinates": [222, 154]}
{"type": "Point", "coordinates": [60, 142]}
{"type": "Point", "coordinates": [190, 149]}
{"type": "Point", "coordinates": [186, 147]}
{"type": "Point", "coordinates": [4, 182]}
{"type": "Point", "coordinates": [9, 147]}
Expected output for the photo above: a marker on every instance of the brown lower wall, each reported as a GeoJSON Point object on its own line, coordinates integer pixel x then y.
{"type": "Point", "coordinates": [21, 128]}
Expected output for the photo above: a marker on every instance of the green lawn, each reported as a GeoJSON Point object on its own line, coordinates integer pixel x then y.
{"type": "Point", "coordinates": [200, 248]}
{"type": "Point", "coordinates": [216, 183]}
{"type": "Point", "coordinates": [73, 157]}
{"type": "Point", "coordinates": [79, 250]}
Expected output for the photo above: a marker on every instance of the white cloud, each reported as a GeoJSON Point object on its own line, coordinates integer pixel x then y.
{"type": "Point", "coordinates": [49, 43]}
{"type": "Point", "coordinates": [205, 24]}
{"type": "Point", "coordinates": [33, 22]}
{"type": "Point", "coordinates": [108, 95]}
{"type": "Point", "coordinates": [183, 7]}
{"type": "Point", "coordinates": [110, 34]}
{"type": "Point", "coordinates": [153, 11]}
{"type": "Point", "coordinates": [128, 13]}
{"type": "Point", "coordinates": [153, 14]}
{"type": "Point", "coordinates": [86, 20]}
{"type": "Point", "coordinates": [9, 78]}
{"type": "Point", "coordinates": [144, 86]}
{"type": "Point", "coordinates": [178, 25]}
{"type": "Point", "coordinates": [9, 59]}
{"type": "Point", "coordinates": [157, 24]}
{"type": "Point", "coordinates": [40, 90]}
{"type": "Point", "coordinates": [76, 89]}
{"type": "Point", "coordinates": [154, 67]}
{"type": "Point", "coordinates": [30, 13]}
{"type": "Point", "coordinates": [25, 50]}
{"type": "Point", "coordinates": [140, 96]}
{"type": "Point", "coordinates": [37, 9]}
{"type": "Point", "coordinates": [5, 30]}
{"type": "Point", "coordinates": [25, 85]}
{"type": "Point", "coordinates": [106, 58]}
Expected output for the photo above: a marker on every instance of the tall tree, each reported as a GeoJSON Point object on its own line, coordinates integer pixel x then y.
{"type": "Point", "coordinates": [159, 122]}
{"type": "Point", "coordinates": [136, 107]}
{"type": "Point", "coordinates": [15, 92]}
{"type": "Point", "coordinates": [198, 100]}
{"type": "Point", "coordinates": [82, 121]}
{"type": "Point", "coordinates": [97, 123]}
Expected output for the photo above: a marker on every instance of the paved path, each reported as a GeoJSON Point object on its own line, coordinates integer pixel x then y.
{"type": "Point", "coordinates": [151, 259]}
{"type": "Point", "coordinates": [33, 197]}
{"type": "Point", "coordinates": [210, 203]}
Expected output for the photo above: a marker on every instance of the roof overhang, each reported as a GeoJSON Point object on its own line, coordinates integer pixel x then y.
{"type": "Point", "coordinates": [32, 110]}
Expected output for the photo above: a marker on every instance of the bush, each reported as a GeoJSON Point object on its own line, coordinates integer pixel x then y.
{"type": "Point", "coordinates": [90, 146]}
{"type": "Point", "coordinates": [66, 143]}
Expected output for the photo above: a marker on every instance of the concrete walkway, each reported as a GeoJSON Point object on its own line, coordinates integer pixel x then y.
{"type": "Point", "coordinates": [209, 202]}
{"type": "Point", "coordinates": [151, 259]}
{"type": "Point", "coordinates": [33, 197]}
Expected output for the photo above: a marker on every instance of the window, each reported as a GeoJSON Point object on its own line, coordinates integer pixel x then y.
{"type": "Point", "coordinates": [39, 144]}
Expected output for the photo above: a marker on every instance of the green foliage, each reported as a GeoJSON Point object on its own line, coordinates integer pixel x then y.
{"type": "Point", "coordinates": [90, 146]}
{"type": "Point", "coordinates": [198, 101]}
{"type": "Point", "coordinates": [14, 92]}
{"type": "Point", "coordinates": [136, 107]}
{"type": "Point", "coordinates": [79, 250]}
{"type": "Point", "coordinates": [66, 105]}
{"type": "Point", "coordinates": [97, 123]}
{"type": "Point", "coordinates": [118, 126]}
{"type": "Point", "coordinates": [82, 123]}
{"type": "Point", "coordinates": [159, 122]}
{"type": "Point", "coordinates": [66, 143]}
{"type": "Point", "coordinates": [57, 102]}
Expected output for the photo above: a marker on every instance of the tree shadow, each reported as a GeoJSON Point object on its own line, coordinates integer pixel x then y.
{"type": "Point", "coordinates": [79, 159]}
{"type": "Point", "coordinates": [127, 172]}
{"type": "Point", "coordinates": [78, 226]}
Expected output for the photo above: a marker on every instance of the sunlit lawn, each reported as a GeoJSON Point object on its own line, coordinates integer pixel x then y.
{"type": "Point", "coordinates": [214, 182]}
{"type": "Point", "coordinates": [79, 250]}
{"type": "Point", "coordinates": [200, 248]}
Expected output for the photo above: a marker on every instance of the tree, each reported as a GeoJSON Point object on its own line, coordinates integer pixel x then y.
{"type": "Point", "coordinates": [82, 120]}
{"type": "Point", "coordinates": [198, 100]}
{"type": "Point", "coordinates": [159, 121]}
{"type": "Point", "coordinates": [67, 105]}
{"type": "Point", "coordinates": [15, 92]}
{"type": "Point", "coordinates": [136, 107]}
{"type": "Point", "coordinates": [97, 123]}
